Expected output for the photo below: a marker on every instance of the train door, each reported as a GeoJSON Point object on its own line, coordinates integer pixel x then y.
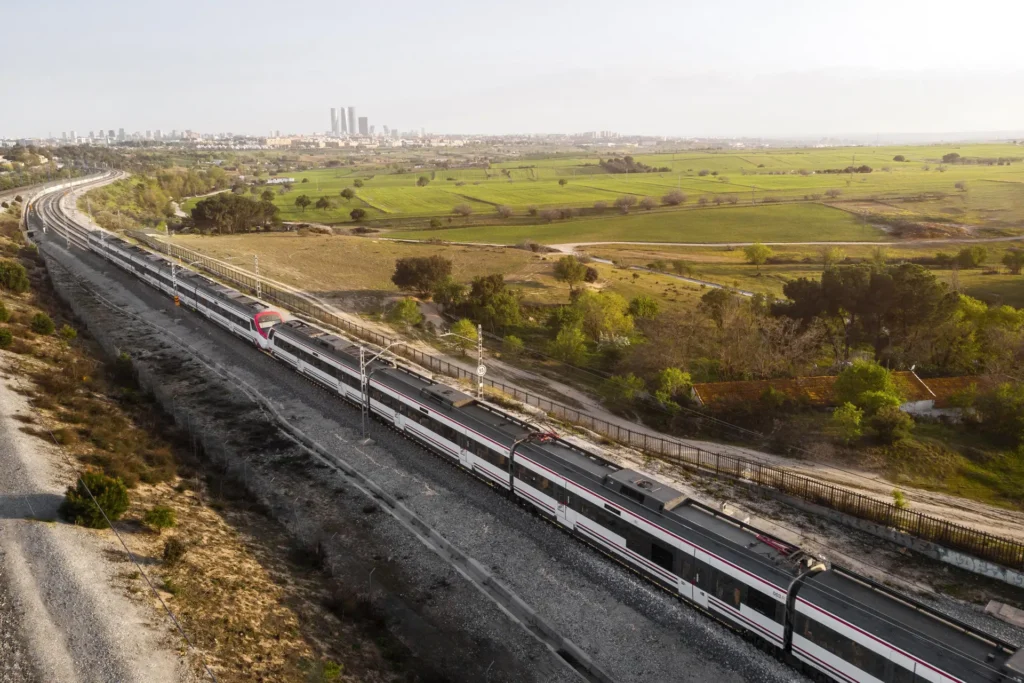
{"type": "Point", "coordinates": [465, 451]}
{"type": "Point", "coordinates": [565, 515]}
{"type": "Point", "coordinates": [703, 578]}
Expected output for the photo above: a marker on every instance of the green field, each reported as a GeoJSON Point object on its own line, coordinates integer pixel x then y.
{"type": "Point", "coordinates": [778, 223]}
{"type": "Point", "coordinates": [919, 189]}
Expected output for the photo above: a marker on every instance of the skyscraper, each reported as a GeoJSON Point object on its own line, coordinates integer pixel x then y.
{"type": "Point", "coordinates": [364, 125]}
{"type": "Point", "coordinates": [342, 125]}
{"type": "Point", "coordinates": [334, 121]}
{"type": "Point", "coordinates": [351, 120]}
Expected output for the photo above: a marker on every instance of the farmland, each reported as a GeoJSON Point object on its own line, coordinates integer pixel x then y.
{"type": "Point", "coordinates": [769, 195]}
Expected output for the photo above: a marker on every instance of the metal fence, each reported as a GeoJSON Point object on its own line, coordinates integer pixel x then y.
{"type": "Point", "coordinates": [1003, 551]}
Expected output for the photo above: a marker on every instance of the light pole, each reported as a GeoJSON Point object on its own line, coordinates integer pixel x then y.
{"type": "Point", "coordinates": [481, 369]}
{"type": "Point", "coordinates": [364, 381]}
{"type": "Point", "coordinates": [813, 568]}
{"type": "Point", "coordinates": [531, 437]}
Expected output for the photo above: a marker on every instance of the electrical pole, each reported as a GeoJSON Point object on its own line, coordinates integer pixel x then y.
{"type": "Point", "coordinates": [256, 265]}
{"type": "Point", "coordinates": [480, 368]}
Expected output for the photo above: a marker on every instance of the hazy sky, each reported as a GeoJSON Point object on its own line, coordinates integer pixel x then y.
{"type": "Point", "coordinates": [788, 67]}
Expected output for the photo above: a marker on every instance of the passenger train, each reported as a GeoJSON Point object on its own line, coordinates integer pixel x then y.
{"type": "Point", "coordinates": [828, 622]}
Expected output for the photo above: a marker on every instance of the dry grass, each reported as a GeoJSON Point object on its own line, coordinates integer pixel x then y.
{"type": "Point", "coordinates": [357, 270]}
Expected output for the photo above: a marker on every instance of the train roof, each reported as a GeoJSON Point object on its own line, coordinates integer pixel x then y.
{"type": "Point", "coordinates": [919, 630]}
{"type": "Point", "coordinates": [191, 278]}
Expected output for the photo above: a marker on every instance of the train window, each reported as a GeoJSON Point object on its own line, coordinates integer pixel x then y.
{"type": "Point", "coordinates": [729, 590]}
{"type": "Point", "coordinates": [901, 675]}
{"type": "Point", "coordinates": [661, 556]}
{"type": "Point", "coordinates": [612, 510]}
{"type": "Point", "coordinates": [706, 576]}
{"type": "Point", "coordinates": [842, 646]}
{"type": "Point", "coordinates": [687, 566]}
{"type": "Point", "coordinates": [761, 603]}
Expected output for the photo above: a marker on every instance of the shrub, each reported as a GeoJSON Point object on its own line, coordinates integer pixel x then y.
{"type": "Point", "coordinates": [648, 203]}
{"type": "Point", "coordinates": [174, 550]}
{"type": "Point", "coordinates": [619, 391]}
{"type": "Point", "coordinates": [674, 381]}
{"type": "Point", "coordinates": [643, 306]}
{"type": "Point", "coordinates": [5, 315]}
{"type": "Point", "coordinates": [674, 198]}
{"type": "Point", "coordinates": [110, 494]}
{"type": "Point", "coordinates": [1002, 412]}
{"type": "Point", "coordinates": [899, 500]}
{"type": "Point", "coordinates": [405, 312]}
{"type": "Point", "coordinates": [13, 277]}
{"type": "Point", "coordinates": [846, 423]}
{"type": "Point", "coordinates": [466, 336]}
{"type": "Point", "coordinates": [68, 333]}
{"type": "Point", "coordinates": [436, 222]}
{"type": "Point", "coordinates": [512, 346]}
{"type": "Point", "coordinates": [591, 275]}
{"type": "Point", "coordinates": [159, 518]}
{"type": "Point", "coordinates": [357, 214]}
{"type": "Point", "coordinates": [5, 338]}
{"type": "Point", "coordinates": [860, 377]}
{"type": "Point", "coordinates": [890, 424]}
{"type": "Point", "coordinates": [873, 401]}
{"type": "Point", "coordinates": [41, 324]}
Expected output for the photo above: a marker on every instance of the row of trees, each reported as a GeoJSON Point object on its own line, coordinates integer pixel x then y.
{"type": "Point", "coordinates": [228, 213]}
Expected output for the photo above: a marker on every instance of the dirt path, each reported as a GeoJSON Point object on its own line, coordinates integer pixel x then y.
{"type": "Point", "coordinates": [61, 618]}
{"type": "Point", "coordinates": [571, 247]}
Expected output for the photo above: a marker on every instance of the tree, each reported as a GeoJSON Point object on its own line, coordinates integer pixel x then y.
{"type": "Point", "coordinates": [600, 207]}
{"type": "Point", "coordinates": [950, 158]}
{"type": "Point", "coordinates": [512, 346]}
{"type": "Point", "coordinates": [422, 181]}
{"type": "Point", "coordinates": [505, 211]}
{"type": "Point", "coordinates": [305, 180]}
{"type": "Point", "coordinates": [569, 345]}
{"type": "Point", "coordinates": [466, 331]}
{"type": "Point", "coordinates": [674, 381]}
{"type": "Point", "coordinates": [464, 210]}
{"type": "Point", "coordinates": [267, 195]}
{"type": "Point", "coordinates": [757, 254]}
{"type": "Point", "coordinates": [563, 182]}
{"type": "Point", "coordinates": [648, 203]}
{"type": "Point", "coordinates": [228, 213]}
{"type": "Point", "coordinates": [302, 201]}
{"type": "Point", "coordinates": [357, 183]}
{"type": "Point", "coordinates": [833, 193]}
{"type": "Point", "coordinates": [702, 201]}
{"type": "Point", "coordinates": [591, 275]}
{"type": "Point", "coordinates": [899, 157]}
{"type": "Point", "coordinates": [831, 256]}
{"type": "Point", "coordinates": [890, 424]}
{"type": "Point", "coordinates": [109, 497]}
{"type": "Point", "coordinates": [357, 214]}
{"type": "Point", "coordinates": [621, 391]}
{"type": "Point", "coordinates": [971, 257]}
{"type": "Point", "coordinates": [605, 315]}
{"type": "Point", "coordinates": [674, 198]}
{"type": "Point", "coordinates": [436, 222]}
{"type": "Point", "coordinates": [491, 302]}
{"type": "Point", "coordinates": [625, 203]}
{"type": "Point", "coordinates": [405, 312]}
{"type": "Point", "coordinates": [846, 423]}
{"type": "Point", "coordinates": [643, 307]}
{"type": "Point", "coordinates": [1002, 413]}
{"type": "Point", "coordinates": [323, 203]}
{"type": "Point", "coordinates": [571, 271]}
{"type": "Point", "coordinates": [449, 294]}
{"type": "Point", "coordinates": [421, 274]}
{"type": "Point", "coordinates": [867, 385]}
{"type": "Point", "coordinates": [348, 193]}
{"type": "Point", "coordinates": [1013, 259]}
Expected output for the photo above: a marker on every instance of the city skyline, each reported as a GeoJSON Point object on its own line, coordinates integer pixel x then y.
{"type": "Point", "coordinates": [707, 70]}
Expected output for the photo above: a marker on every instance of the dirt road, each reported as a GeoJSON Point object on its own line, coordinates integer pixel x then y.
{"type": "Point", "coordinates": [61, 618]}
